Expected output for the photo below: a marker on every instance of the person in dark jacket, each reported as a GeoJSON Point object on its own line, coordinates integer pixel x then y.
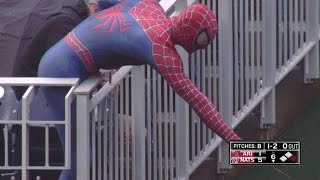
{"type": "Point", "coordinates": [55, 28]}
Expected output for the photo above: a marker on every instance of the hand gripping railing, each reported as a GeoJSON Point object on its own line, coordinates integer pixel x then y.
{"type": "Point", "coordinates": [106, 140]}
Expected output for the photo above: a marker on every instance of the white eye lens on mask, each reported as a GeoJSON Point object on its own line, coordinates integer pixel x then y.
{"type": "Point", "coordinates": [202, 39]}
{"type": "Point", "coordinates": [1, 92]}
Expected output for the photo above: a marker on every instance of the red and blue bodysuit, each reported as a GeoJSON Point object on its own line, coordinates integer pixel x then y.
{"type": "Point", "coordinates": [134, 32]}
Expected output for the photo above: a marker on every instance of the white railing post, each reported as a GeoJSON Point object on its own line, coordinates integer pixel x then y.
{"type": "Point", "coordinates": [312, 58]}
{"type": "Point", "coordinates": [182, 115]}
{"type": "Point", "coordinates": [138, 113]}
{"type": "Point", "coordinates": [269, 57]}
{"type": "Point", "coordinates": [26, 100]}
{"type": "Point", "coordinates": [226, 76]}
{"type": "Point", "coordinates": [83, 136]}
{"type": "Point", "coordinates": [182, 127]}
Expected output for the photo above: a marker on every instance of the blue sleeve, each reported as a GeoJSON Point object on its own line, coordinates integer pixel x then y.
{"type": "Point", "coordinates": [105, 4]}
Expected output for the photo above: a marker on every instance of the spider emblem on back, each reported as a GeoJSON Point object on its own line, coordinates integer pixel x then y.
{"type": "Point", "coordinates": [112, 18]}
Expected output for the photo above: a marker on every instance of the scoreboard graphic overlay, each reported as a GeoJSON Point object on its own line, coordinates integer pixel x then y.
{"type": "Point", "coordinates": [265, 153]}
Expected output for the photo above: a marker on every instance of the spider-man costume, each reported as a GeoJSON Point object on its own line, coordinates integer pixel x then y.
{"type": "Point", "coordinates": [134, 32]}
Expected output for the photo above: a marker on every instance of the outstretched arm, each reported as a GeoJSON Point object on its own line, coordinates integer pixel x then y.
{"type": "Point", "coordinates": [171, 69]}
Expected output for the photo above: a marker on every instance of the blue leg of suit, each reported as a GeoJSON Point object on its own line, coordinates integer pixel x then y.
{"type": "Point", "coordinates": [65, 65]}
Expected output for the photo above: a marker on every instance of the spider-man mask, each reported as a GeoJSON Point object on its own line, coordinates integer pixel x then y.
{"type": "Point", "coordinates": [195, 27]}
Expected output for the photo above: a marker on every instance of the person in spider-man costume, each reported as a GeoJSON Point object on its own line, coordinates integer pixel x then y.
{"type": "Point", "coordinates": [134, 32]}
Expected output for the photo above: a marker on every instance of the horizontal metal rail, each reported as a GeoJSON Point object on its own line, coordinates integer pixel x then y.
{"type": "Point", "coordinates": [25, 122]}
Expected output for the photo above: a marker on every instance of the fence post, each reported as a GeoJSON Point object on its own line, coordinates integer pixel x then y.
{"type": "Point", "coordinates": [182, 127]}
{"type": "Point", "coordinates": [26, 100]}
{"type": "Point", "coordinates": [182, 115]}
{"type": "Point", "coordinates": [269, 57]}
{"type": "Point", "coordinates": [312, 58]}
{"type": "Point", "coordinates": [226, 76]}
{"type": "Point", "coordinates": [138, 113]}
{"type": "Point", "coordinates": [83, 136]}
